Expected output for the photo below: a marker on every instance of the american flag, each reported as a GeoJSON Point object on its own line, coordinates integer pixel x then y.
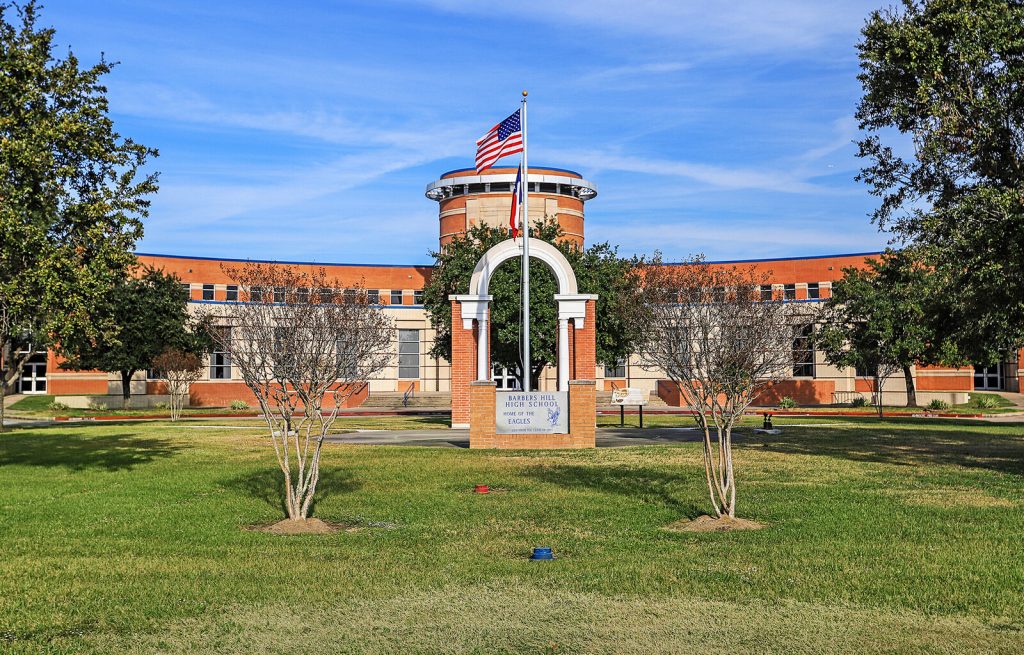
{"type": "Point", "coordinates": [505, 138]}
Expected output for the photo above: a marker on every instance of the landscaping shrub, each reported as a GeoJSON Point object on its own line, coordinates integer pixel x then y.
{"type": "Point", "coordinates": [787, 403]}
{"type": "Point", "coordinates": [938, 404]}
{"type": "Point", "coordinates": [58, 407]}
{"type": "Point", "coordinates": [97, 406]}
{"type": "Point", "coordinates": [859, 401]}
{"type": "Point", "coordinates": [237, 405]}
{"type": "Point", "coordinates": [985, 402]}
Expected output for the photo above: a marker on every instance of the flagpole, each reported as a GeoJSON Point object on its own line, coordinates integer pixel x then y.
{"type": "Point", "coordinates": [526, 258]}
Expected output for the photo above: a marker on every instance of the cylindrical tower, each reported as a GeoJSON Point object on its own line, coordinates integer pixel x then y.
{"type": "Point", "coordinates": [466, 198]}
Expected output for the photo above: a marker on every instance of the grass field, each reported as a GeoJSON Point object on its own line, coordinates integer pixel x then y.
{"type": "Point", "coordinates": [897, 536]}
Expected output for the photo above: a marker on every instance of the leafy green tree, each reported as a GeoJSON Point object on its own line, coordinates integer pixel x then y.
{"type": "Point", "coordinates": [151, 315]}
{"type": "Point", "coordinates": [598, 270]}
{"type": "Point", "coordinates": [885, 319]}
{"type": "Point", "coordinates": [943, 107]}
{"type": "Point", "coordinates": [71, 198]}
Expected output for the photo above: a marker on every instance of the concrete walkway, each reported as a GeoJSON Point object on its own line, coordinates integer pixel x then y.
{"type": "Point", "coordinates": [12, 398]}
{"type": "Point", "coordinates": [606, 437]}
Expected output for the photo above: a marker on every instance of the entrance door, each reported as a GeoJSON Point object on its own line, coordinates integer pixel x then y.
{"type": "Point", "coordinates": [33, 375]}
{"type": "Point", "coordinates": [988, 377]}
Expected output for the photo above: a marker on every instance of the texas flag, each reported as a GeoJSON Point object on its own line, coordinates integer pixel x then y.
{"type": "Point", "coordinates": [517, 197]}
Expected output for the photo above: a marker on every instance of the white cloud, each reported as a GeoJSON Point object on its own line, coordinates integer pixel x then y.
{"type": "Point", "coordinates": [740, 25]}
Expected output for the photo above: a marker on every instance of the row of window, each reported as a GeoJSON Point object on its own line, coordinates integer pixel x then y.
{"type": "Point", "coordinates": [277, 294]}
{"type": "Point", "coordinates": [803, 356]}
{"type": "Point", "coordinates": [408, 355]}
{"type": "Point", "coordinates": [789, 291]}
{"type": "Point", "coordinates": [506, 187]}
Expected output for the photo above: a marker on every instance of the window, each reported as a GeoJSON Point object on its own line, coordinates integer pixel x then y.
{"type": "Point", "coordinates": [347, 357]}
{"type": "Point", "coordinates": [863, 371]}
{"type": "Point", "coordinates": [326, 295]}
{"type": "Point", "coordinates": [476, 188]}
{"type": "Point", "coordinates": [501, 187]}
{"type": "Point", "coordinates": [279, 294]}
{"type": "Point", "coordinates": [803, 351]}
{"type": "Point", "coordinates": [812, 290]}
{"type": "Point", "coordinates": [207, 292]}
{"type": "Point", "coordinates": [302, 295]}
{"type": "Point", "coordinates": [220, 357]}
{"type": "Point", "coordinates": [396, 296]}
{"type": "Point", "coordinates": [618, 370]}
{"type": "Point", "coordinates": [789, 292]}
{"type": "Point", "coordinates": [417, 297]}
{"type": "Point", "coordinates": [373, 296]}
{"type": "Point", "coordinates": [409, 354]}
{"type": "Point", "coordinates": [231, 294]}
{"type": "Point", "coordinates": [349, 296]}
{"type": "Point", "coordinates": [766, 292]}
{"type": "Point", "coordinates": [548, 187]}
{"type": "Point", "coordinates": [187, 288]}
{"type": "Point", "coordinates": [256, 294]}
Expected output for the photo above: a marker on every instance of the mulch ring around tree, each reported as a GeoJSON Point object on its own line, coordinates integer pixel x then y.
{"type": "Point", "coordinates": [705, 523]}
{"type": "Point", "coordinates": [302, 526]}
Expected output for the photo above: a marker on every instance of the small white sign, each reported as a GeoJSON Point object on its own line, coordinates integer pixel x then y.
{"type": "Point", "coordinates": [536, 412]}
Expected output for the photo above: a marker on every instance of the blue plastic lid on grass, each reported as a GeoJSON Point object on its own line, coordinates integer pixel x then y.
{"type": "Point", "coordinates": [542, 553]}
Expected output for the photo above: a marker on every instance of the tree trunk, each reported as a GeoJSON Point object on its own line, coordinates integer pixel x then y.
{"type": "Point", "coordinates": [126, 388]}
{"type": "Point", "coordinates": [878, 395]}
{"type": "Point", "coordinates": [911, 391]}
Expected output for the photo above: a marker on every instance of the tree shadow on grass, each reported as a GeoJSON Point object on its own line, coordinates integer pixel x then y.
{"type": "Point", "coordinates": [267, 485]}
{"type": "Point", "coordinates": [648, 485]}
{"type": "Point", "coordinates": [904, 442]}
{"type": "Point", "coordinates": [112, 452]}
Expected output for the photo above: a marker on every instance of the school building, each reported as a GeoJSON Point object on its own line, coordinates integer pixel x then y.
{"type": "Point", "coordinates": [466, 198]}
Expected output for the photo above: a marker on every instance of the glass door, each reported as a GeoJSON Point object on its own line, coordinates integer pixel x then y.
{"type": "Point", "coordinates": [988, 377]}
{"type": "Point", "coordinates": [504, 378]}
{"type": "Point", "coordinates": [33, 375]}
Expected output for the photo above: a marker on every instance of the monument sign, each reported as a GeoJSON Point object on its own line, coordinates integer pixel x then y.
{"type": "Point", "coordinates": [538, 412]}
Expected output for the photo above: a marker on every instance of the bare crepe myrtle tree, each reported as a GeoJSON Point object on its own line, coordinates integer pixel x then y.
{"type": "Point", "coordinates": [722, 343]}
{"type": "Point", "coordinates": [178, 370]}
{"type": "Point", "coordinates": [302, 346]}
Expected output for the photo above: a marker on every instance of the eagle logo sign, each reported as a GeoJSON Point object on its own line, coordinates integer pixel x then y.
{"type": "Point", "coordinates": [553, 414]}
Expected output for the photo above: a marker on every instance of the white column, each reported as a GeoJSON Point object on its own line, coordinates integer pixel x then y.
{"type": "Point", "coordinates": [563, 354]}
{"type": "Point", "coordinates": [483, 360]}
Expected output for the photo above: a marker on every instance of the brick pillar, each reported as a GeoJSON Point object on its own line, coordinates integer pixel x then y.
{"type": "Point", "coordinates": [585, 345]}
{"type": "Point", "coordinates": [483, 403]}
{"type": "Point", "coordinates": [582, 413]}
{"type": "Point", "coordinates": [463, 367]}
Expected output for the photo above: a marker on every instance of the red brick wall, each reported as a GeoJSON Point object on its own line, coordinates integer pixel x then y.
{"type": "Point", "coordinates": [463, 366]}
{"type": "Point", "coordinates": [220, 394]}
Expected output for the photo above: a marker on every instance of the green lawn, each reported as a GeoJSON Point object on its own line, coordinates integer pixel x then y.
{"type": "Point", "coordinates": [896, 536]}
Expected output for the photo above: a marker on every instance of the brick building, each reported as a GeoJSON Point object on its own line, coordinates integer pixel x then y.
{"type": "Point", "coordinates": [464, 199]}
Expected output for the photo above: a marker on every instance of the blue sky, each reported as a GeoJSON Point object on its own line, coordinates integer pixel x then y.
{"type": "Point", "coordinates": [308, 131]}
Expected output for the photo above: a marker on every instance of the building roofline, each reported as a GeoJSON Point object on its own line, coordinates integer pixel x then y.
{"type": "Point", "coordinates": [276, 261]}
{"type": "Point", "coordinates": [785, 259]}
{"type": "Point", "coordinates": [298, 263]}
{"type": "Point", "coordinates": [532, 167]}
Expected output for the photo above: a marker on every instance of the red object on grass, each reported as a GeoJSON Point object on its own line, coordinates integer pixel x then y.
{"type": "Point", "coordinates": [481, 489]}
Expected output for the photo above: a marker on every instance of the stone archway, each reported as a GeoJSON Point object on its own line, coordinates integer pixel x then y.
{"type": "Point", "coordinates": [471, 364]}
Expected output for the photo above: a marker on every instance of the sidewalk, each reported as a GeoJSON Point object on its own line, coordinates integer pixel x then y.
{"type": "Point", "coordinates": [10, 399]}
